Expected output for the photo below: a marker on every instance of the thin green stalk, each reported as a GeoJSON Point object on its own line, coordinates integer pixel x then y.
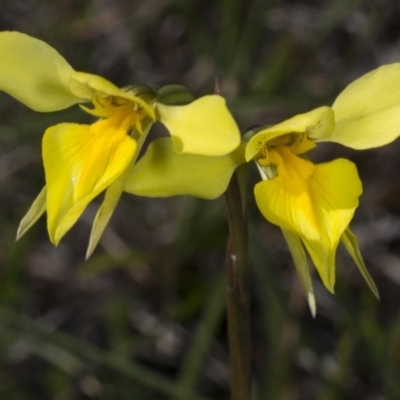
{"type": "Point", "coordinates": [238, 303]}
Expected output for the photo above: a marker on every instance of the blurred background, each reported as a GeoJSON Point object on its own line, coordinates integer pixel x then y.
{"type": "Point", "coordinates": [144, 318]}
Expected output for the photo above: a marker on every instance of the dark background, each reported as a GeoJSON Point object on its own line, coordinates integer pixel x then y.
{"type": "Point", "coordinates": [144, 317]}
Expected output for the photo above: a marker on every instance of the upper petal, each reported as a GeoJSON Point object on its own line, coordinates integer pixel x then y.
{"type": "Point", "coordinates": [368, 111]}
{"type": "Point", "coordinates": [204, 126]}
{"type": "Point", "coordinates": [80, 162]}
{"type": "Point", "coordinates": [314, 124]}
{"type": "Point", "coordinates": [35, 73]}
{"type": "Point", "coordinates": [88, 86]}
{"type": "Point", "coordinates": [162, 173]}
{"type": "Point", "coordinates": [316, 202]}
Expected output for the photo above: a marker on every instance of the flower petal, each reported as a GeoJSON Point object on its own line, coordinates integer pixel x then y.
{"type": "Point", "coordinates": [203, 127]}
{"type": "Point", "coordinates": [315, 202]}
{"type": "Point", "coordinates": [104, 213]}
{"type": "Point", "coordinates": [88, 85]}
{"type": "Point", "coordinates": [112, 196]}
{"type": "Point", "coordinates": [35, 73]}
{"type": "Point", "coordinates": [300, 261]}
{"type": "Point", "coordinates": [162, 173]}
{"type": "Point", "coordinates": [80, 162]}
{"type": "Point", "coordinates": [315, 124]}
{"type": "Point", "coordinates": [368, 111]}
{"type": "Point", "coordinates": [36, 210]}
{"type": "Point", "coordinates": [350, 241]}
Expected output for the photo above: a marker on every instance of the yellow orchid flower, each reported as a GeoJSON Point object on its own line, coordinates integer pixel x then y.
{"type": "Point", "coordinates": [313, 204]}
{"type": "Point", "coordinates": [81, 161]}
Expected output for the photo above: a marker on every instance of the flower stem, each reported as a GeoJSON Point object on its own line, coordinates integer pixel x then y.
{"type": "Point", "coordinates": [238, 303]}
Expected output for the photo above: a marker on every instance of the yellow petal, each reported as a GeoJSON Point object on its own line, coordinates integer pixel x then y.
{"type": "Point", "coordinates": [314, 124]}
{"type": "Point", "coordinates": [35, 73]}
{"type": "Point", "coordinates": [350, 241]}
{"type": "Point", "coordinates": [300, 261]}
{"type": "Point", "coordinates": [368, 111]}
{"type": "Point", "coordinates": [203, 127]}
{"type": "Point", "coordinates": [36, 210]}
{"type": "Point", "coordinates": [88, 85]}
{"type": "Point", "coordinates": [80, 162]}
{"type": "Point", "coordinates": [111, 198]}
{"type": "Point", "coordinates": [163, 173]}
{"type": "Point", "coordinates": [315, 202]}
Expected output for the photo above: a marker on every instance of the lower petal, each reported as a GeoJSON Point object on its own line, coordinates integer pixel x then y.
{"type": "Point", "coordinates": [163, 173]}
{"type": "Point", "coordinates": [81, 161]}
{"type": "Point", "coordinates": [349, 239]}
{"type": "Point", "coordinates": [299, 256]}
{"type": "Point", "coordinates": [36, 210]}
{"type": "Point", "coordinates": [316, 202]}
{"type": "Point", "coordinates": [105, 212]}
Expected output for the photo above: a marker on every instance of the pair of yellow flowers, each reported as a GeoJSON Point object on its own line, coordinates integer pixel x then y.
{"type": "Point", "coordinates": [312, 204]}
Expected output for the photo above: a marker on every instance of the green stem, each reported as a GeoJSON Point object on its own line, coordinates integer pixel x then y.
{"type": "Point", "coordinates": [238, 303]}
